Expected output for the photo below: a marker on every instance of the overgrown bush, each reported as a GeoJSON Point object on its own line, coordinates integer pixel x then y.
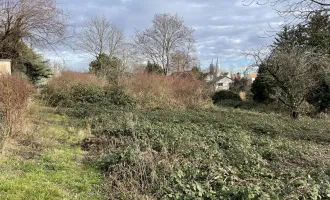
{"type": "Point", "coordinates": [152, 91]}
{"type": "Point", "coordinates": [225, 95]}
{"type": "Point", "coordinates": [82, 94]}
{"type": "Point", "coordinates": [63, 89]}
{"type": "Point", "coordinates": [14, 97]}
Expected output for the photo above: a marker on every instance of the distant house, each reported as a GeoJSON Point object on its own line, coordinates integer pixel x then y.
{"type": "Point", "coordinates": [253, 76]}
{"type": "Point", "coordinates": [220, 83]}
{"type": "Point", "coordinates": [216, 79]}
{"type": "Point", "coordinates": [221, 80]}
{"type": "Point", "coordinates": [5, 67]}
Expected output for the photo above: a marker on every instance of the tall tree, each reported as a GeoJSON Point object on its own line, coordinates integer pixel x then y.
{"type": "Point", "coordinates": [167, 35]}
{"type": "Point", "coordinates": [99, 36]}
{"type": "Point", "coordinates": [39, 23]}
{"type": "Point", "coordinates": [183, 61]}
{"type": "Point", "coordinates": [292, 70]}
{"type": "Point", "coordinates": [313, 34]}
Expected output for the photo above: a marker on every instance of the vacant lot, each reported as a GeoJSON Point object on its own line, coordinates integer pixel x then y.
{"type": "Point", "coordinates": [221, 153]}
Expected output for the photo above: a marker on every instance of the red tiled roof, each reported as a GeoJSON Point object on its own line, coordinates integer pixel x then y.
{"type": "Point", "coordinates": [254, 75]}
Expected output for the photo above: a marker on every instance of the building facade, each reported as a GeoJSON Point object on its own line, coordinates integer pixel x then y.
{"type": "Point", "coordinates": [217, 79]}
{"type": "Point", "coordinates": [5, 67]}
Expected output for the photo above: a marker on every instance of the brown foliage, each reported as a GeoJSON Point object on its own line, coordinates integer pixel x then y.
{"type": "Point", "coordinates": [153, 90]}
{"type": "Point", "coordinates": [14, 97]}
{"type": "Point", "coordinates": [69, 78]}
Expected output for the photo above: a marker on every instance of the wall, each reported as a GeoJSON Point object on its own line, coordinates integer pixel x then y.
{"type": "Point", "coordinates": [5, 67]}
{"type": "Point", "coordinates": [225, 84]}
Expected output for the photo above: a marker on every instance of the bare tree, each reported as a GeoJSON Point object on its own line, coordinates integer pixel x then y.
{"type": "Point", "coordinates": [182, 61]}
{"type": "Point", "coordinates": [298, 9]}
{"type": "Point", "coordinates": [100, 36]}
{"type": "Point", "coordinates": [38, 22]}
{"type": "Point", "coordinates": [293, 71]}
{"type": "Point", "coordinates": [168, 34]}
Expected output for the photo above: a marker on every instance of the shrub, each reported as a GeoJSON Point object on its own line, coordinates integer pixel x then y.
{"type": "Point", "coordinates": [72, 86]}
{"type": "Point", "coordinates": [14, 96]}
{"type": "Point", "coordinates": [225, 95]}
{"type": "Point", "coordinates": [152, 91]}
{"type": "Point", "coordinates": [82, 95]}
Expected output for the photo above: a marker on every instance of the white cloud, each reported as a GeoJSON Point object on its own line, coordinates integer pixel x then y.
{"type": "Point", "coordinates": [222, 28]}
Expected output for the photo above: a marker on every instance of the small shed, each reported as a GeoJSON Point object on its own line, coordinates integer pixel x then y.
{"type": "Point", "coordinates": [5, 67]}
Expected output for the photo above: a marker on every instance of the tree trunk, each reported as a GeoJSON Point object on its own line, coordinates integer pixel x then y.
{"type": "Point", "coordinates": [294, 113]}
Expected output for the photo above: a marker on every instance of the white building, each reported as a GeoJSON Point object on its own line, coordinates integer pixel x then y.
{"type": "Point", "coordinates": [5, 66]}
{"type": "Point", "coordinates": [216, 79]}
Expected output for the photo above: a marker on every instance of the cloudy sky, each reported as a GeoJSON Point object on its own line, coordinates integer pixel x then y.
{"type": "Point", "coordinates": [223, 28]}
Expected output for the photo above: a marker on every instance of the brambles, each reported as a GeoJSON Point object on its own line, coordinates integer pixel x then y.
{"type": "Point", "coordinates": [210, 154]}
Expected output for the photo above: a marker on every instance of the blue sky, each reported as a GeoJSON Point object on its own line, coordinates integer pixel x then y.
{"type": "Point", "coordinates": [223, 28]}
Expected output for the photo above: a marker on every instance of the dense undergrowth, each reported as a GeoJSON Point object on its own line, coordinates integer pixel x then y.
{"type": "Point", "coordinates": [212, 154]}
{"type": "Point", "coordinates": [215, 153]}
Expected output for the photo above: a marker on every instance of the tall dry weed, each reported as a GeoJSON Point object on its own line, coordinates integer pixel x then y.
{"type": "Point", "coordinates": [153, 90]}
{"type": "Point", "coordinates": [14, 98]}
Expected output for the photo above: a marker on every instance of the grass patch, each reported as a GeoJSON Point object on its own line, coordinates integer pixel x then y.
{"type": "Point", "coordinates": [47, 163]}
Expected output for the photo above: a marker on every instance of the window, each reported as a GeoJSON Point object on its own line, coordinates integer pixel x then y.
{"type": "Point", "coordinates": [220, 84]}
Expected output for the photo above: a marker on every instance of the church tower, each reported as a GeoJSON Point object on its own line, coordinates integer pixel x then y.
{"type": "Point", "coordinates": [212, 70]}
{"type": "Point", "coordinates": [217, 71]}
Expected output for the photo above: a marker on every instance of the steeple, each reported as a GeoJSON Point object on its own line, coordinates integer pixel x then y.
{"type": "Point", "coordinates": [212, 68]}
{"type": "Point", "coordinates": [217, 70]}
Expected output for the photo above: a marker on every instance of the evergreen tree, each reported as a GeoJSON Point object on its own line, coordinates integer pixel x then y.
{"type": "Point", "coordinates": [37, 69]}
{"type": "Point", "coordinates": [263, 87]}
{"type": "Point", "coordinates": [109, 67]}
{"type": "Point", "coordinates": [154, 68]}
{"type": "Point", "coordinates": [320, 97]}
{"type": "Point", "coordinates": [32, 64]}
{"type": "Point", "coordinates": [314, 34]}
{"type": "Point", "coordinates": [291, 35]}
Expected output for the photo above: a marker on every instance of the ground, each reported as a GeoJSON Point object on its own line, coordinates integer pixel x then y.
{"type": "Point", "coordinates": [219, 153]}
{"type": "Point", "coordinates": [47, 162]}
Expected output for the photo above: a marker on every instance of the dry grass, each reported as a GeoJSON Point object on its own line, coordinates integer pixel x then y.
{"type": "Point", "coordinates": [167, 92]}
{"type": "Point", "coordinates": [69, 78]}
{"type": "Point", "coordinates": [14, 99]}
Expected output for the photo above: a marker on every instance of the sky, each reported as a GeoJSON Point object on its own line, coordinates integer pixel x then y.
{"type": "Point", "coordinates": [226, 29]}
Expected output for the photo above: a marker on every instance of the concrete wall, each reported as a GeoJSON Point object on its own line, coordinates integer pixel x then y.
{"type": "Point", "coordinates": [5, 67]}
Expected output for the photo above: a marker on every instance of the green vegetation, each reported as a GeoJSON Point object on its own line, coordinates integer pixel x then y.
{"type": "Point", "coordinates": [276, 80]}
{"type": "Point", "coordinates": [222, 153]}
{"type": "Point", "coordinates": [48, 162]}
{"type": "Point", "coordinates": [225, 95]}
{"type": "Point", "coordinates": [111, 134]}
{"type": "Point", "coordinates": [238, 150]}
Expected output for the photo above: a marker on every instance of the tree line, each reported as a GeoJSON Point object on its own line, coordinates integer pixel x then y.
{"type": "Point", "coordinates": [168, 44]}
{"type": "Point", "coordinates": [30, 26]}
{"type": "Point", "coordinates": [295, 68]}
